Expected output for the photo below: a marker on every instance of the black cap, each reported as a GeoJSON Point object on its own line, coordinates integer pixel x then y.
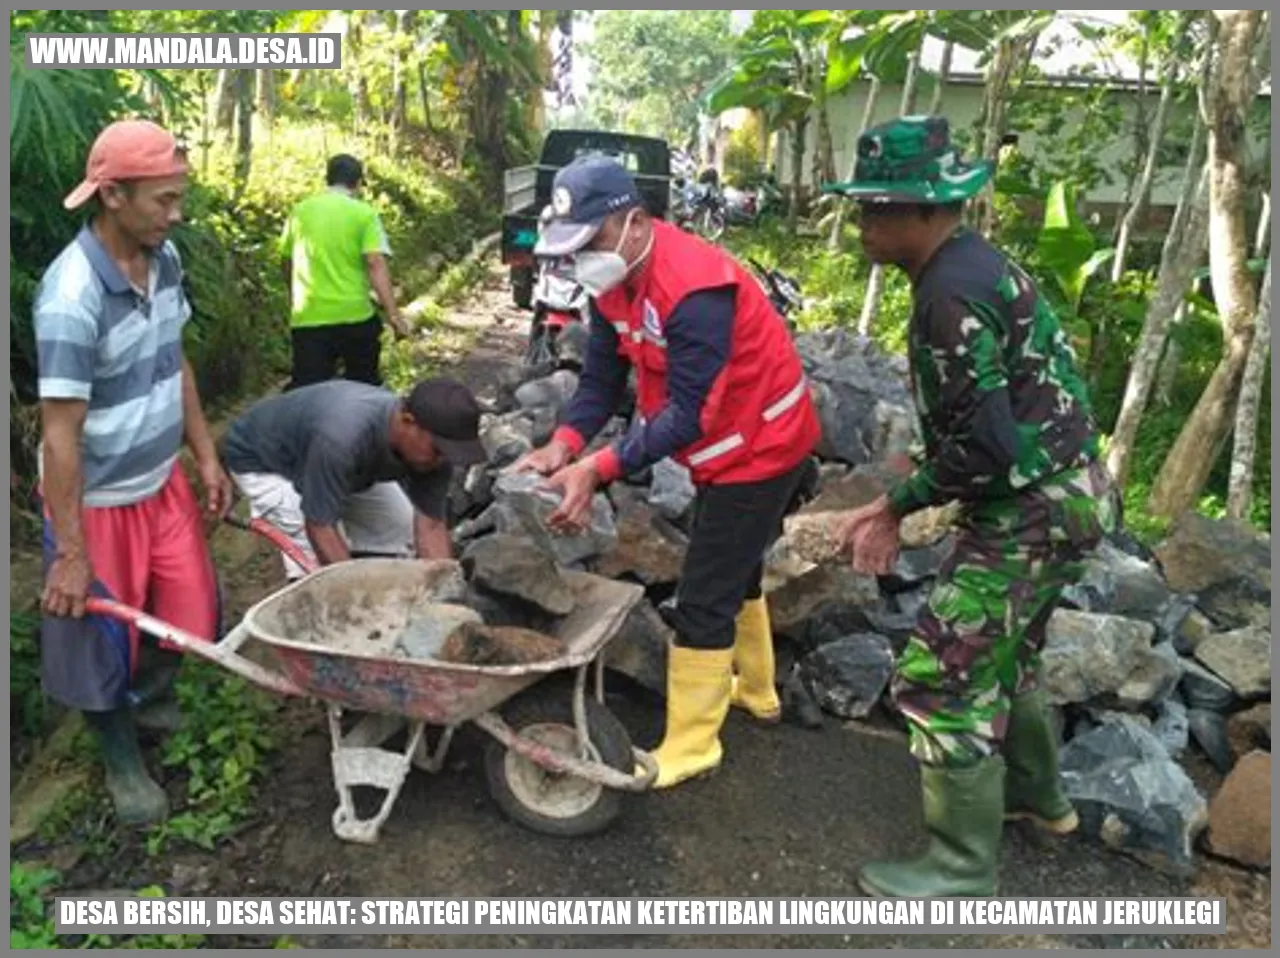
{"type": "Point", "coordinates": [448, 410]}
{"type": "Point", "coordinates": [582, 195]}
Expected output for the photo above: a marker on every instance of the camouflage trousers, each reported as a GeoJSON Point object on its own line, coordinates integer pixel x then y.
{"type": "Point", "coordinates": [978, 639]}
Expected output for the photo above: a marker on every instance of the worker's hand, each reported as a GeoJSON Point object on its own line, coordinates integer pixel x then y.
{"type": "Point", "coordinates": [217, 486]}
{"type": "Point", "coordinates": [67, 586]}
{"type": "Point", "coordinates": [870, 534]}
{"type": "Point", "coordinates": [400, 326]}
{"type": "Point", "coordinates": [577, 484]}
{"type": "Point", "coordinates": [546, 460]}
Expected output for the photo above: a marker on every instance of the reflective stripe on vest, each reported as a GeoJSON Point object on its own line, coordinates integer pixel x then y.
{"type": "Point", "coordinates": [732, 441]}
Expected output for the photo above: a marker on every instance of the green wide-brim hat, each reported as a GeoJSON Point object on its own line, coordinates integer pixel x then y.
{"type": "Point", "coordinates": [912, 160]}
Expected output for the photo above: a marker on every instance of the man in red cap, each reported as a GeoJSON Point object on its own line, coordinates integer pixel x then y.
{"type": "Point", "coordinates": [118, 398]}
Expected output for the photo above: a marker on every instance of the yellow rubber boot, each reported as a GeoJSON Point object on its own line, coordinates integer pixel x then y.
{"type": "Point", "coordinates": [753, 688]}
{"type": "Point", "coordinates": [698, 685]}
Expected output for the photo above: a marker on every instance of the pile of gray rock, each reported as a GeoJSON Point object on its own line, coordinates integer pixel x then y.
{"type": "Point", "coordinates": [1155, 659]}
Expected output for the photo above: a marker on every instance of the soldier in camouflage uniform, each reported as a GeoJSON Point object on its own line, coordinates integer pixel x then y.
{"type": "Point", "coordinates": [1008, 432]}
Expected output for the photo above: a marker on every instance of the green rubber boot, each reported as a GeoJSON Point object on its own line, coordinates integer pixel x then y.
{"type": "Point", "coordinates": [962, 813]}
{"type": "Point", "coordinates": [138, 799]}
{"type": "Point", "coordinates": [1033, 790]}
{"type": "Point", "coordinates": [155, 705]}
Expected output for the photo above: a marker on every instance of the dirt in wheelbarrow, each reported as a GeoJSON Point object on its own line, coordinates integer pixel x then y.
{"type": "Point", "coordinates": [791, 812]}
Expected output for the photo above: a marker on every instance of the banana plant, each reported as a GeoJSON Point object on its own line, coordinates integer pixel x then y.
{"type": "Point", "coordinates": [1066, 247]}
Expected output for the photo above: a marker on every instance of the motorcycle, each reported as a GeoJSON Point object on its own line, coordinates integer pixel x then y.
{"type": "Point", "coordinates": [700, 207]}
{"type": "Point", "coordinates": [558, 303]}
{"type": "Point", "coordinates": [748, 207]}
{"type": "Point", "coordinates": [783, 290]}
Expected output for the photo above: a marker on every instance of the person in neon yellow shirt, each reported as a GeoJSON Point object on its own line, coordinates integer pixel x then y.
{"type": "Point", "coordinates": [335, 252]}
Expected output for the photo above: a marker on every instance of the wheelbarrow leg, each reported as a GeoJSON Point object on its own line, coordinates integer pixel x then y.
{"type": "Point", "coordinates": [355, 765]}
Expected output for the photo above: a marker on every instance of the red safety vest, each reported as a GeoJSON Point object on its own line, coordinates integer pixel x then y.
{"type": "Point", "coordinates": [759, 420]}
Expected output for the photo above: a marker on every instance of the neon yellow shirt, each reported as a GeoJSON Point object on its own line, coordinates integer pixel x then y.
{"type": "Point", "coordinates": [327, 237]}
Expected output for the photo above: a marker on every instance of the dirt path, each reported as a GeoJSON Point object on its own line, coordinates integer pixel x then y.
{"type": "Point", "coordinates": [792, 812]}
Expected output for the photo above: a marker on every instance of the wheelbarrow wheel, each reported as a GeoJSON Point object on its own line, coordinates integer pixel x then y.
{"type": "Point", "coordinates": [565, 806]}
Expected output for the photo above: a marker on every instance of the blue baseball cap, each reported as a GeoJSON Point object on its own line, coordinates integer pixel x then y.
{"type": "Point", "coordinates": [582, 195]}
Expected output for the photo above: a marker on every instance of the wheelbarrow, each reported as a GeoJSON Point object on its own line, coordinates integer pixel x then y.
{"type": "Point", "coordinates": [559, 764]}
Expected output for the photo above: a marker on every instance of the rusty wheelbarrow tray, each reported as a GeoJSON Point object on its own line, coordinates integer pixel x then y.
{"type": "Point", "coordinates": [562, 770]}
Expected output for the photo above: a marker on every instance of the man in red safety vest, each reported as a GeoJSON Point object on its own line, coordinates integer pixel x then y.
{"type": "Point", "coordinates": [721, 390]}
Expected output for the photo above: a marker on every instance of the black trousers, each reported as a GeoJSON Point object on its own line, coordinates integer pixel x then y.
{"type": "Point", "coordinates": [318, 351]}
{"type": "Point", "coordinates": [733, 527]}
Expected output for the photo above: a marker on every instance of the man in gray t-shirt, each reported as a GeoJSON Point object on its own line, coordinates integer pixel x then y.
{"type": "Point", "coordinates": [347, 469]}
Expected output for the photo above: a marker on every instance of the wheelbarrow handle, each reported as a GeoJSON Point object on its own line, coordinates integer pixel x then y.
{"type": "Point", "coordinates": [225, 653]}
{"type": "Point", "coordinates": [261, 527]}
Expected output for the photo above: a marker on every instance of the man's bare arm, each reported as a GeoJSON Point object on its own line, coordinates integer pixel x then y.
{"type": "Point", "coordinates": [328, 543]}
{"type": "Point", "coordinates": [431, 536]}
{"type": "Point", "coordinates": [70, 574]}
{"type": "Point", "coordinates": [62, 423]}
{"type": "Point", "coordinates": [380, 280]}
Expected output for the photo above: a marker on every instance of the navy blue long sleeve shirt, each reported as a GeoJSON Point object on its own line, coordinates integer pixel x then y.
{"type": "Point", "coordinates": [699, 336]}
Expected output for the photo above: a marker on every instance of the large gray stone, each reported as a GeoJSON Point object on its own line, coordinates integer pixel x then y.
{"type": "Point", "coordinates": [551, 392]}
{"type": "Point", "coordinates": [1088, 655]}
{"type": "Point", "coordinates": [507, 437]}
{"type": "Point", "coordinates": [1173, 726]}
{"type": "Point", "coordinates": [515, 566]}
{"type": "Point", "coordinates": [671, 490]}
{"type": "Point", "coordinates": [648, 549]}
{"type": "Point", "coordinates": [1155, 676]}
{"type": "Point", "coordinates": [639, 650]}
{"type": "Point", "coordinates": [521, 508]}
{"type": "Point", "coordinates": [861, 396]}
{"type": "Point", "coordinates": [1209, 731]}
{"type": "Point", "coordinates": [1204, 690]}
{"type": "Point", "coordinates": [1133, 797]}
{"type": "Point", "coordinates": [793, 600]}
{"type": "Point", "coordinates": [1202, 552]}
{"type": "Point", "coordinates": [1236, 604]}
{"type": "Point", "coordinates": [1242, 658]}
{"type": "Point", "coordinates": [848, 676]}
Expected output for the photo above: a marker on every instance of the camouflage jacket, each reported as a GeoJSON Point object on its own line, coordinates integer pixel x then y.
{"type": "Point", "coordinates": [1001, 403]}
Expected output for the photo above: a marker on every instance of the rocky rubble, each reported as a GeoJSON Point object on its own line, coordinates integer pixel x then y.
{"type": "Point", "coordinates": [1156, 659]}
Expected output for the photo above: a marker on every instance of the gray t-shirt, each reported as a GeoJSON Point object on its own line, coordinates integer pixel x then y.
{"type": "Point", "coordinates": [331, 441]}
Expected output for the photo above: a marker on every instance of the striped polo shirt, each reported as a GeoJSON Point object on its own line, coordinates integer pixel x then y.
{"type": "Point", "coordinates": [100, 339]}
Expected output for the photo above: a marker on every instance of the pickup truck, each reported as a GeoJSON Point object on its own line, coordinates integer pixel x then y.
{"type": "Point", "coordinates": [527, 190]}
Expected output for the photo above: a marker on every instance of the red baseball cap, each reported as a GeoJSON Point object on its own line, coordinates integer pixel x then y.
{"type": "Point", "coordinates": [128, 150]}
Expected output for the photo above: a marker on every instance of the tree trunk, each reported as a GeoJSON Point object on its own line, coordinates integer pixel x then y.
{"type": "Point", "coordinates": [1011, 56]}
{"type": "Point", "coordinates": [424, 93]}
{"type": "Point", "coordinates": [225, 114]}
{"type": "Point", "coordinates": [1181, 255]}
{"type": "Point", "coordinates": [1262, 238]}
{"type": "Point", "coordinates": [1185, 471]}
{"type": "Point", "coordinates": [944, 73]}
{"type": "Point", "coordinates": [1141, 141]}
{"type": "Point", "coordinates": [824, 155]}
{"type": "Point", "coordinates": [403, 37]}
{"type": "Point", "coordinates": [358, 84]}
{"type": "Point", "coordinates": [868, 111]}
{"type": "Point", "coordinates": [244, 126]}
{"type": "Point", "coordinates": [1154, 139]}
{"type": "Point", "coordinates": [799, 130]}
{"type": "Point", "coordinates": [1168, 375]}
{"type": "Point", "coordinates": [1240, 486]}
{"type": "Point", "coordinates": [266, 96]}
{"type": "Point", "coordinates": [875, 282]}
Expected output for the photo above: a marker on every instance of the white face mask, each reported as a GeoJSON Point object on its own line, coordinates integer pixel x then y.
{"type": "Point", "coordinates": [598, 271]}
